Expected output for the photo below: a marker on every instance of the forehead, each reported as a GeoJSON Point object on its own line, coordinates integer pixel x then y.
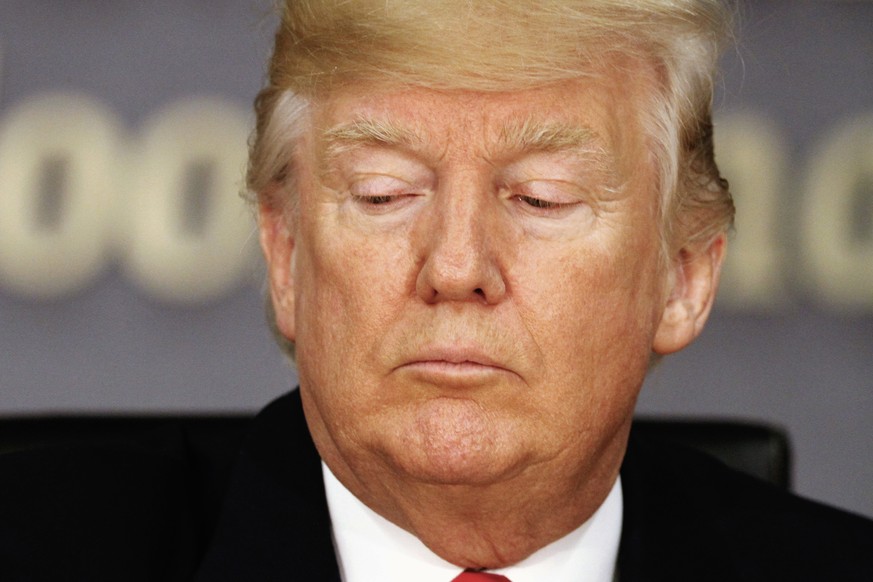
{"type": "Point", "coordinates": [603, 107]}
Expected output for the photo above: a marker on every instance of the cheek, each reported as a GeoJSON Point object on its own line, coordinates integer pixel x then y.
{"type": "Point", "coordinates": [350, 288]}
{"type": "Point", "coordinates": [593, 309]}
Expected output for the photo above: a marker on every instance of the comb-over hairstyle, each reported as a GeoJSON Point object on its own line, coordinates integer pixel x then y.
{"type": "Point", "coordinates": [504, 45]}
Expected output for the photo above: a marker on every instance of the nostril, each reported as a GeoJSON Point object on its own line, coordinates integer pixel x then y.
{"type": "Point", "coordinates": [479, 291]}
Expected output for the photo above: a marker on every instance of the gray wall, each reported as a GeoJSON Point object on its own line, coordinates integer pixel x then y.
{"type": "Point", "coordinates": [106, 97]}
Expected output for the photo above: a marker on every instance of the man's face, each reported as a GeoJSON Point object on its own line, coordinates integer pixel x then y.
{"type": "Point", "coordinates": [474, 285]}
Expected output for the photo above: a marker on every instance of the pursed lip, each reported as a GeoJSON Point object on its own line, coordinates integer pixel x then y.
{"type": "Point", "coordinates": [454, 358]}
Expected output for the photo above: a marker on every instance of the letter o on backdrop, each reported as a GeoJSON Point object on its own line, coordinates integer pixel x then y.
{"type": "Point", "coordinates": [74, 135]}
{"type": "Point", "coordinates": [165, 254]}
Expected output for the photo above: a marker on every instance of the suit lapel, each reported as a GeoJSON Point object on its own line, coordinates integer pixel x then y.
{"type": "Point", "coordinates": [274, 524]}
{"type": "Point", "coordinates": [667, 532]}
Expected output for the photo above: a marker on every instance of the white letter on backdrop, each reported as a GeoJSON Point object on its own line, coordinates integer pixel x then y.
{"type": "Point", "coordinates": [57, 162]}
{"type": "Point", "coordinates": [188, 235]}
{"type": "Point", "coordinates": [836, 230]}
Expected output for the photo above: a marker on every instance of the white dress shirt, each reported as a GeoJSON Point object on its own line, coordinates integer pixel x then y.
{"type": "Point", "coordinates": [369, 547]}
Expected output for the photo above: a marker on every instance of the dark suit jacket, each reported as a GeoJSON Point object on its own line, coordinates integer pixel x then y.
{"type": "Point", "coordinates": [169, 508]}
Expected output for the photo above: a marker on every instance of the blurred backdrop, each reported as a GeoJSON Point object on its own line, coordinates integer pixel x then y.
{"type": "Point", "coordinates": [129, 276]}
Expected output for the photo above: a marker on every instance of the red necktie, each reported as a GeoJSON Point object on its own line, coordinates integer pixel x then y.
{"type": "Point", "coordinates": [468, 576]}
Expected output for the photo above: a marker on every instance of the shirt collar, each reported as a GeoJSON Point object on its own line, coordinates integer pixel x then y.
{"type": "Point", "coordinates": [369, 547]}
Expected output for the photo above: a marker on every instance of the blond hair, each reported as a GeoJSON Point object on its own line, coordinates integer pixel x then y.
{"type": "Point", "coordinates": [501, 45]}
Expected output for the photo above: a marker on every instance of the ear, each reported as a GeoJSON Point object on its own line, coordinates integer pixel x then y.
{"type": "Point", "coordinates": [277, 244]}
{"type": "Point", "coordinates": [693, 283]}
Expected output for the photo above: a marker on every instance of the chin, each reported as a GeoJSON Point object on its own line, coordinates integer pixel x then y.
{"type": "Point", "coordinates": [454, 442]}
{"type": "Point", "coordinates": [457, 468]}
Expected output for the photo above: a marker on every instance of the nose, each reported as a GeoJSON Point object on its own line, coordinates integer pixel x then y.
{"type": "Point", "coordinates": [461, 252]}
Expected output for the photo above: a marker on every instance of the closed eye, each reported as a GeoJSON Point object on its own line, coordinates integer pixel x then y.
{"type": "Point", "coordinates": [376, 193]}
{"type": "Point", "coordinates": [375, 200]}
{"type": "Point", "coordinates": [547, 198]}
{"type": "Point", "coordinates": [540, 203]}
{"type": "Point", "coordinates": [379, 189]}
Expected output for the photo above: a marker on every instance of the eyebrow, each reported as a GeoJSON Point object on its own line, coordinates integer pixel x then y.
{"type": "Point", "coordinates": [527, 135]}
{"type": "Point", "coordinates": [531, 135]}
{"type": "Point", "coordinates": [362, 132]}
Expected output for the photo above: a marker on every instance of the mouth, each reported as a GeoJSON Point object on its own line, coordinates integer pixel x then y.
{"type": "Point", "coordinates": [454, 365]}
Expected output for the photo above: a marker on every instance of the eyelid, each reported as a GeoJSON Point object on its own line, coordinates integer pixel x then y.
{"type": "Point", "coordinates": [578, 169]}
{"type": "Point", "coordinates": [377, 184]}
{"type": "Point", "coordinates": [375, 158]}
{"type": "Point", "coordinates": [371, 170]}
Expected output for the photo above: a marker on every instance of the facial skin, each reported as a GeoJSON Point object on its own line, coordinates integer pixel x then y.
{"type": "Point", "coordinates": [474, 285]}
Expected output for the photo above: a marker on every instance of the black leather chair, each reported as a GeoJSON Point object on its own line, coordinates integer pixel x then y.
{"type": "Point", "coordinates": [758, 449]}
